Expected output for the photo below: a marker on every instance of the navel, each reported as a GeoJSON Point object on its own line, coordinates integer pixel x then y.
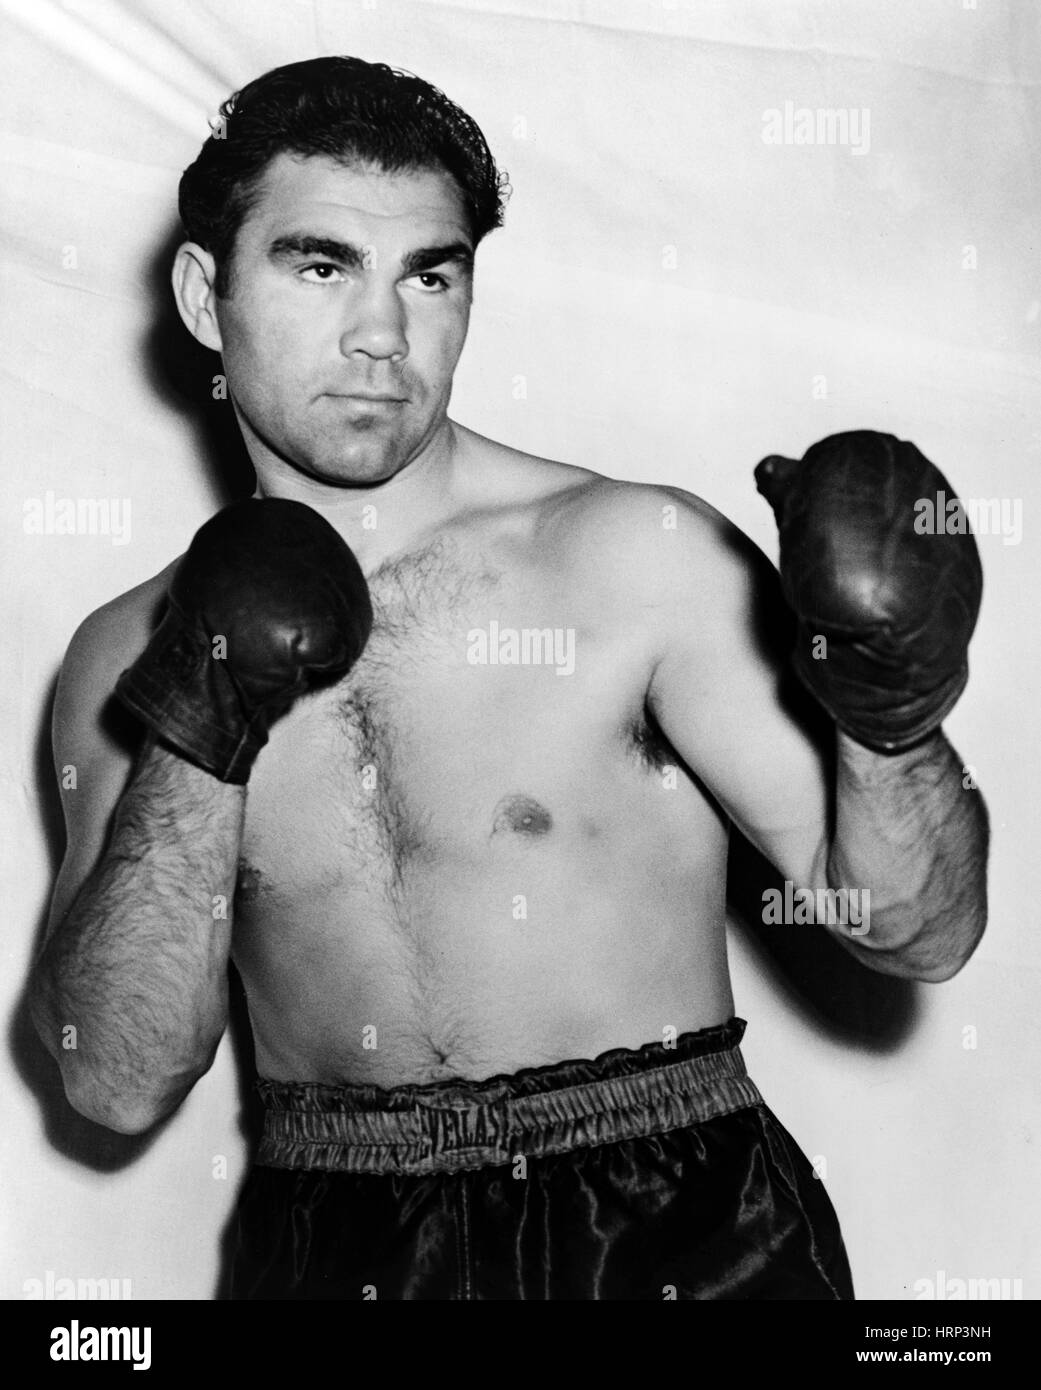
{"type": "Point", "coordinates": [522, 815]}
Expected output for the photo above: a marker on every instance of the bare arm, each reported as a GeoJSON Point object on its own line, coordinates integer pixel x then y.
{"type": "Point", "coordinates": [903, 827]}
{"type": "Point", "coordinates": [136, 954]}
{"type": "Point", "coordinates": [267, 601]}
{"type": "Point", "coordinates": [915, 827]}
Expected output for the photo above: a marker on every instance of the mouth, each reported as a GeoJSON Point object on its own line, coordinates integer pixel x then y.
{"type": "Point", "coordinates": [368, 397]}
{"type": "Point", "coordinates": [363, 409]}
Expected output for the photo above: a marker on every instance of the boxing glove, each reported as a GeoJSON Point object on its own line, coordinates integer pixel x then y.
{"type": "Point", "coordinates": [894, 598]}
{"type": "Point", "coordinates": [267, 602]}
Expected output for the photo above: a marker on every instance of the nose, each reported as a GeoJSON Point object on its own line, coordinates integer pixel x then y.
{"type": "Point", "coordinates": [376, 323]}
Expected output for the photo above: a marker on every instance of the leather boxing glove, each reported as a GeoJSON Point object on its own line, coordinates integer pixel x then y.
{"type": "Point", "coordinates": [896, 603]}
{"type": "Point", "coordinates": [284, 591]}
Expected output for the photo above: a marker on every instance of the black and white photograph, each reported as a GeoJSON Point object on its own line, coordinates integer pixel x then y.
{"type": "Point", "coordinates": [520, 750]}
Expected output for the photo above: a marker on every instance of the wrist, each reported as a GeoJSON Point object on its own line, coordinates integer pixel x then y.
{"type": "Point", "coordinates": [163, 770]}
{"type": "Point", "coordinates": [864, 766]}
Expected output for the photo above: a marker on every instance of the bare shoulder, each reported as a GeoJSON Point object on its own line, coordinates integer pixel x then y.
{"type": "Point", "coordinates": [509, 478]}
{"type": "Point", "coordinates": [658, 540]}
{"type": "Point", "coordinates": [87, 730]}
{"type": "Point", "coordinates": [114, 633]}
{"type": "Point", "coordinates": [567, 496]}
{"type": "Point", "coordinates": [637, 510]}
{"type": "Point", "coordinates": [652, 540]}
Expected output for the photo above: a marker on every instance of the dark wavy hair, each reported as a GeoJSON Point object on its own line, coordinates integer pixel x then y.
{"type": "Point", "coordinates": [343, 108]}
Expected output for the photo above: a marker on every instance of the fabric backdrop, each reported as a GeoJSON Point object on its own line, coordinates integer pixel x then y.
{"type": "Point", "coordinates": [683, 284]}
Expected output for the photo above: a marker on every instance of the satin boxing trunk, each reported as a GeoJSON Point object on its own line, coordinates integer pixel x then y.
{"type": "Point", "coordinates": [653, 1173]}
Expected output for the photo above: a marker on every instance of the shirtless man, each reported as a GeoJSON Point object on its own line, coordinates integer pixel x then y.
{"type": "Point", "coordinates": [478, 886]}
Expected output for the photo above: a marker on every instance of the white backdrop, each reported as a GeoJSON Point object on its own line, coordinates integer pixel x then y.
{"type": "Point", "coordinates": [672, 298]}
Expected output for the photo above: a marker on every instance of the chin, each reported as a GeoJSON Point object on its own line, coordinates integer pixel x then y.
{"type": "Point", "coordinates": [357, 473]}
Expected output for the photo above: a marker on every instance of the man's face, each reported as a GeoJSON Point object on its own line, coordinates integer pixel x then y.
{"type": "Point", "coordinates": [350, 298]}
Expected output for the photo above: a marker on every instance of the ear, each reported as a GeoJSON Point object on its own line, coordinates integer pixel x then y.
{"type": "Point", "coordinates": [194, 277]}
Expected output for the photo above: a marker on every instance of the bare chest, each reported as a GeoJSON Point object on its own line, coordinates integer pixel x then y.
{"type": "Point", "coordinates": [482, 694]}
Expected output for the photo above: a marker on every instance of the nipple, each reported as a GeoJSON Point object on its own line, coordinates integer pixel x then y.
{"type": "Point", "coordinates": [522, 814]}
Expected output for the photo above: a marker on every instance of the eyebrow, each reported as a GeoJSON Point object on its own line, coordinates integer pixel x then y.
{"type": "Point", "coordinates": [459, 253]}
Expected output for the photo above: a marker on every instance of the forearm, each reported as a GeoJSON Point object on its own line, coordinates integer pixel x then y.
{"type": "Point", "coordinates": [912, 830]}
{"type": "Point", "coordinates": [129, 993]}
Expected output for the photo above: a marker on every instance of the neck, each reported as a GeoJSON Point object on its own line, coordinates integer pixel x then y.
{"type": "Point", "coordinates": [382, 519]}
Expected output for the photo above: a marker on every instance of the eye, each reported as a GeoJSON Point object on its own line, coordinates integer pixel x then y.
{"type": "Point", "coordinates": [320, 273]}
{"type": "Point", "coordinates": [430, 282]}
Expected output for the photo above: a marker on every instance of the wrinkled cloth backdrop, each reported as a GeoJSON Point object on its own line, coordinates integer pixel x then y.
{"type": "Point", "coordinates": [680, 289]}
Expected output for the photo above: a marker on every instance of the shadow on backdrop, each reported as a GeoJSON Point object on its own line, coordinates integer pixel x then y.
{"type": "Point", "coordinates": [181, 372]}
{"type": "Point", "coordinates": [811, 971]}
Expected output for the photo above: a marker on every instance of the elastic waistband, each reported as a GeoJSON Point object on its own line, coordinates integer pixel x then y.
{"type": "Point", "coordinates": [447, 1126]}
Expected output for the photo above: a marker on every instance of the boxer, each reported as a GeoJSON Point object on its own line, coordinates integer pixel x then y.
{"type": "Point", "coordinates": [474, 885]}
